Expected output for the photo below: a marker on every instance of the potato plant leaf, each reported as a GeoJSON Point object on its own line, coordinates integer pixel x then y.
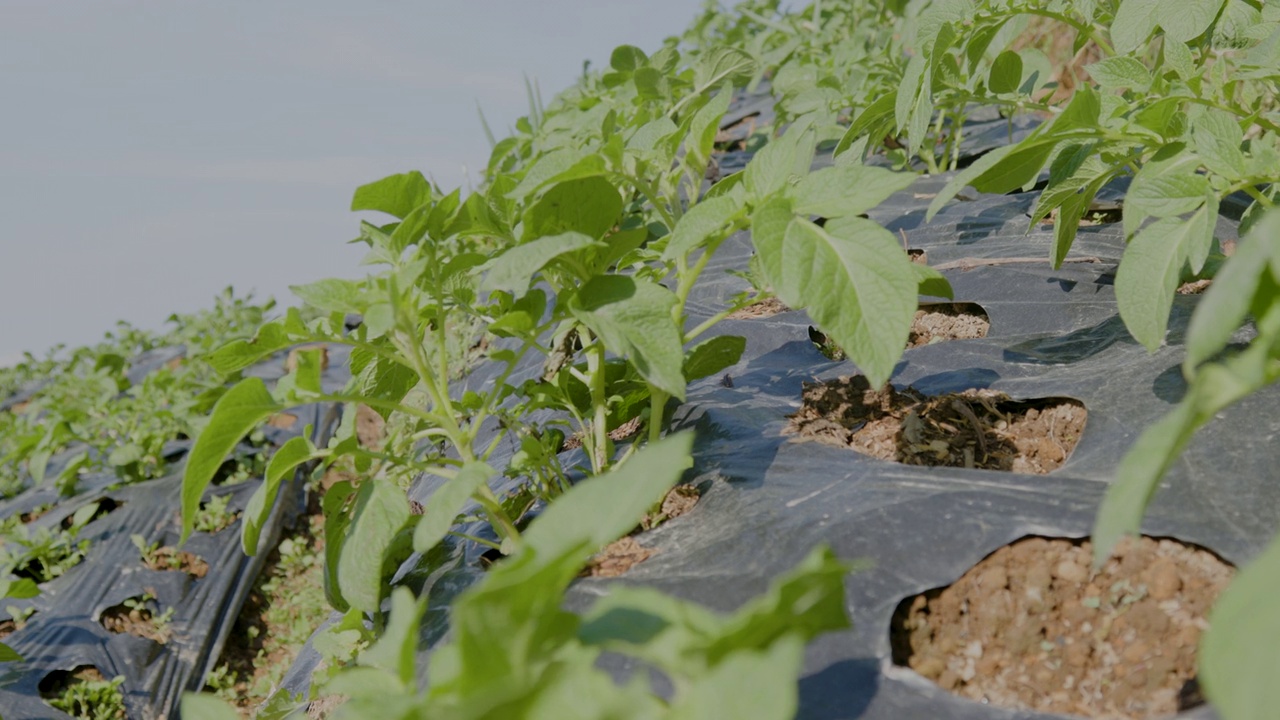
{"type": "Point", "coordinates": [702, 224]}
{"type": "Point", "coordinates": [235, 414]}
{"type": "Point", "coordinates": [293, 453]}
{"type": "Point", "coordinates": [395, 651]}
{"type": "Point", "coordinates": [758, 685]}
{"type": "Point", "coordinates": [1151, 269]}
{"type": "Point", "coordinates": [713, 355]}
{"type": "Point", "coordinates": [381, 512]}
{"type": "Point", "coordinates": [1238, 653]}
{"type": "Point", "coordinates": [589, 205]}
{"type": "Point", "coordinates": [445, 504]}
{"type": "Point", "coordinates": [835, 192]}
{"type": "Point", "coordinates": [1006, 72]}
{"type": "Point", "coordinates": [853, 278]}
{"type": "Point", "coordinates": [632, 316]}
{"type": "Point", "coordinates": [396, 195]}
{"type": "Point", "coordinates": [515, 267]}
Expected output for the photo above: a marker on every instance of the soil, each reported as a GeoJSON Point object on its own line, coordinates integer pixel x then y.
{"type": "Point", "coordinates": [291, 362]}
{"type": "Point", "coordinates": [7, 628]}
{"type": "Point", "coordinates": [1194, 288]}
{"type": "Point", "coordinates": [624, 431]}
{"type": "Point", "coordinates": [283, 420]}
{"type": "Point", "coordinates": [619, 556]}
{"type": "Point", "coordinates": [762, 309]}
{"type": "Point", "coordinates": [975, 428]}
{"type": "Point", "coordinates": [284, 606]}
{"type": "Point", "coordinates": [135, 621]}
{"type": "Point", "coordinates": [1033, 627]}
{"type": "Point", "coordinates": [171, 558]}
{"type": "Point", "coordinates": [370, 428]}
{"type": "Point", "coordinates": [948, 321]}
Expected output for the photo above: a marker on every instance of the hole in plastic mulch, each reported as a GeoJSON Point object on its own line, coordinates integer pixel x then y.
{"type": "Point", "coordinates": [980, 429]}
{"type": "Point", "coordinates": [1033, 627]}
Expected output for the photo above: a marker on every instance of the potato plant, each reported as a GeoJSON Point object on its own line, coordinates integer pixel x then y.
{"type": "Point", "coordinates": [596, 218]}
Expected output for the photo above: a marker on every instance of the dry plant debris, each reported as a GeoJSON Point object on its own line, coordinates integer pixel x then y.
{"type": "Point", "coordinates": [974, 429]}
{"type": "Point", "coordinates": [1033, 627]}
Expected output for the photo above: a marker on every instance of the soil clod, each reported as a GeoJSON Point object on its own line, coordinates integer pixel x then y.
{"type": "Point", "coordinates": [948, 321]}
{"type": "Point", "coordinates": [974, 429]}
{"type": "Point", "coordinates": [1034, 627]}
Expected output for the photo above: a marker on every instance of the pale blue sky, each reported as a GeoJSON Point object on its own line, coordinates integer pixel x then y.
{"type": "Point", "coordinates": [152, 153]}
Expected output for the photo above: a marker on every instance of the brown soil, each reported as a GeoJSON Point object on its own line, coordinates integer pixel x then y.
{"type": "Point", "coordinates": [975, 428]}
{"type": "Point", "coordinates": [1033, 627]}
{"type": "Point", "coordinates": [171, 558]}
{"type": "Point", "coordinates": [135, 621]}
{"type": "Point", "coordinates": [624, 431]}
{"type": "Point", "coordinates": [619, 556]}
{"type": "Point", "coordinates": [370, 427]}
{"type": "Point", "coordinates": [1194, 288]}
{"type": "Point", "coordinates": [279, 614]}
{"type": "Point", "coordinates": [948, 321]}
{"type": "Point", "coordinates": [762, 309]}
{"type": "Point", "coordinates": [35, 514]}
{"type": "Point", "coordinates": [7, 628]}
{"type": "Point", "coordinates": [284, 421]}
{"type": "Point", "coordinates": [1056, 40]}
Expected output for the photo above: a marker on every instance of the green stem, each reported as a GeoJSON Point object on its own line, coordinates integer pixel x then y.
{"type": "Point", "coordinates": [657, 408]}
{"type": "Point", "coordinates": [497, 516]}
{"type": "Point", "coordinates": [474, 539]}
{"type": "Point", "coordinates": [600, 420]}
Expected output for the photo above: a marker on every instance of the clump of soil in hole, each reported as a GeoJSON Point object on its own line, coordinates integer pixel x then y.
{"type": "Point", "coordinates": [1033, 627]}
{"type": "Point", "coordinates": [760, 309]}
{"type": "Point", "coordinates": [948, 321]}
{"type": "Point", "coordinates": [619, 556]}
{"type": "Point", "coordinates": [1194, 287]}
{"type": "Point", "coordinates": [171, 558]}
{"type": "Point", "coordinates": [624, 431]}
{"type": "Point", "coordinates": [975, 428]}
{"type": "Point", "coordinates": [137, 620]}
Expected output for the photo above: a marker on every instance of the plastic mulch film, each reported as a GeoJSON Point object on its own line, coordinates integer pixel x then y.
{"type": "Point", "coordinates": [769, 498]}
{"type": "Point", "coordinates": [205, 593]}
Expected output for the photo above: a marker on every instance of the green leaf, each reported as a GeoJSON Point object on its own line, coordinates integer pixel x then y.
{"type": "Point", "coordinates": [336, 521]}
{"type": "Point", "coordinates": [1217, 138]}
{"type": "Point", "coordinates": [633, 318]}
{"type": "Point", "coordinates": [19, 588]}
{"type": "Point", "coordinates": [380, 513]}
{"type": "Point", "coordinates": [8, 654]}
{"type": "Point", "coordinates": [1006, 73]}
{"type": "Point", "coordinates": [909, 90]}
{"type": "Point", "coordinates": [240, 354]}
{"type": "Point", "coordinates": [626, 58]}
{"type": "Point", "coordinates": [1149, 275]}
{"type": "Point", "coordinates": [387, 380]}
{"type": "Point", "coordinates": [1072, 209]}
{"type": "Point", "coordinates": [293, 453]}
{"type": "Point", "coordinates": [855, 281]}
{"type": "Point", "coordinates": [333, 295]}
{"type": "Point", "coordinates": [589, 205]}
{"type": "Point", "coordinates": [835, 192]}
{"type": "Point", "coordinates": [556, 166]}
{"type": "Point", "coordinates": [1213, 388]}
{"type": "Point", "coordinates": [711, 356]}
{"type": "Point", "coordinates": [396, 195]}
{"type": "Point", "coordinates": [1178, 57]}
{"type": "Point", "coordinates": [1133, 23]}
{"type": "Point", "coordinates": [703, 224]}
{"type": "Point", "coordinates": [1238, 654]}
{"type": "Point", "coordinates": [722, 64]}
{"type": "Point", "coordinates": [206, 706]}
{"type": "Point", "coordinates": [999, 171]}
{"type": "Point", "coordinates": [874, 115]}
{"type": "Point", "coordinates": [445, 504]}
{"type": "Point", "coordinates": [513, 270]}
{"type": "Point", "coordinates": [704, 126]}
{"type": "Point", "coordinates": [605, 507]}
{"type": "Point", "coordinates": [760, 686]}
{"type": "Point", "coordinates": [236, 413]}
{"type": "Point", "coordinates": [783, 161]}
{"type": "Point", "coordinates": [395, 651]}
{"type": "Point", "coordinates": [932, 282]}
{"type": "Point", "coordinates": [1226, 304]}
{"type": "Point", "coordinates": [1185, 20]}
{"type": "Point", "coordinates": [1120, 72]}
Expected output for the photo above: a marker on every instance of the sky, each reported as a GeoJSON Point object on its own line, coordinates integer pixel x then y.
{"type": "Point", "coordinates": [153, 153]}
